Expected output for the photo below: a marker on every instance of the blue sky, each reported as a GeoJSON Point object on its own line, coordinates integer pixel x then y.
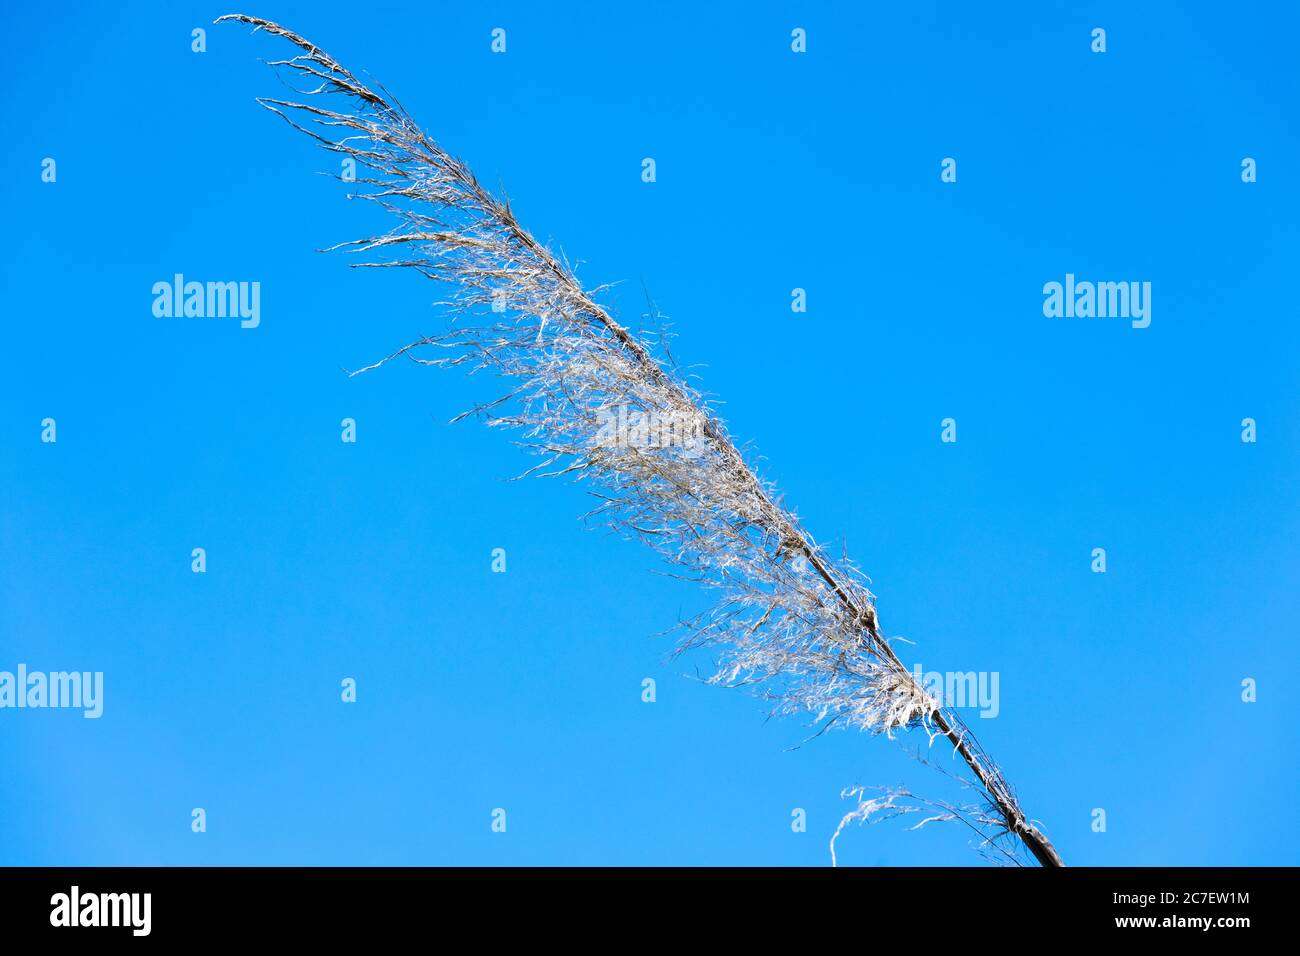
{"type": "Point", "coordinates": [521, 690]}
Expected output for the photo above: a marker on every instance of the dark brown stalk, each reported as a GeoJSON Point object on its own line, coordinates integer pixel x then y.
{"type": "Point", "coordinates": [817, 638]}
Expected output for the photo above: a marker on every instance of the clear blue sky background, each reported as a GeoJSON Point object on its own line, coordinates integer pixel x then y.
{"type": "Point", "coordinates": [325, 560]}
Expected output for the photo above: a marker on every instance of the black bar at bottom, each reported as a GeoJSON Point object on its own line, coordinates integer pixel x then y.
{"type": "Point", "coordinates": [333, 905]}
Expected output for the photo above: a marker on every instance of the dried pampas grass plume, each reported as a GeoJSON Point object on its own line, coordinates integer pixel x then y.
{"type": "Point", "coordinates": [789, 620]}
